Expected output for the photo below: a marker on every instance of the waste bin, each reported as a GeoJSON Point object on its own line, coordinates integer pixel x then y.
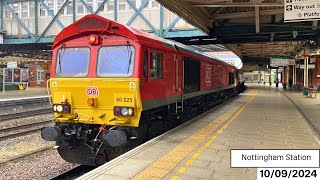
{"type": "Point", "coordinates": [305, 91]}
{"type": "Point", "coordinates": [294, 87]}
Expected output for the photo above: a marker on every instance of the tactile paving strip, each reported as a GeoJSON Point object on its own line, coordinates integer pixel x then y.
{"type": "Point", "coordinates": [160, 168]}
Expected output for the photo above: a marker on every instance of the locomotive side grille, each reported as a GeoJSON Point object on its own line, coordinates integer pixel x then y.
{"type": "Point", "coordinates": [92, 24]}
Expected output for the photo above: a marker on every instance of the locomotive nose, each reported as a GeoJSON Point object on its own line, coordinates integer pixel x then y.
{"type": "Point", "coordinates": [50, 133]}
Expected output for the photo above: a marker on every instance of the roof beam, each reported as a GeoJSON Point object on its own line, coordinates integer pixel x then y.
{"type": "Point", "coordinates": [257, 14]}
{"type": "Point", "coordinates": [183, 9]}
{"type": "Point", "coordinates": [248, 14]}
{"type": "Point", "coordinates": [234, 4]}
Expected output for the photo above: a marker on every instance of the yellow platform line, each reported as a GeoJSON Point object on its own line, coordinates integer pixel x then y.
{"type": "Point", "coordinates": [169, 161]}
{"type": "Point", "coordinates": [195, 156]}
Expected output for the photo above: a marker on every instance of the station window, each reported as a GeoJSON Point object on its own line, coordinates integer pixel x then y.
{"type": "Point", "coordinates": [40, 75]}
{"type": "Point", "coordinates": [31, 4]}
{"type": "Point", "coordinates": [110, 5]}
{"type": "Point", "coordinates": [90, 4]}
{"type": "Point", "coordinates": [122, 5]}
{"type": "Point", "coordinates": [134, 2]}
{"type": "Point", "coordinates": [42, 10]}
{"type": "Point", "coordinates": [50, 5]}
{"type": "Point", "coordinates": [145, 64]}
{"type": "Point", "coordinates": [155, 65]}
{"type": "Point", "coordinates": [8, 13]}
{"type": "Point", "coordinates": [25, 10]}
{"type": "Point", "coordinates": [16, 9]}
{"type": "Point", "coordinates": [154, 4]}
{"type": "Point", "coordinates": [60, 3]}
{"type": "Point", "coordinates": [99, 3]}
{"type": "Point", "coordinates": [69, 7]}
{"type": "Point", "coordinates": [80, 8]}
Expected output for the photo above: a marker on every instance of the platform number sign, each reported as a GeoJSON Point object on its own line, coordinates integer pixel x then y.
{"type": "Point", "coordinates": [92, 91]}
{"type": "Point", "coordinates": [208, 75]}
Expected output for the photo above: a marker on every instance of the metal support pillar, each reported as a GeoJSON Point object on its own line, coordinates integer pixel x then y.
{"type": "Point", "coordinates": [294, 78]}
{"type": "Point", "coordinates": [306, 71]}
{"type": "Point", "coordinates": [277, 80]}
{"type": "Point", "coordinates": [115, 10]}
{"type": "Point", "coordinates": [1, 14]}
{"type": "Point", "coordinates": [161, 21]}
{"type": "Point", "coordinates": [74, 18]}
{"type": "Point", "coordinates": [270, 77]}
{"type": "Point", "coordinates": [284, 81]}
{"type": "Point", "coordinates": [36, 18]}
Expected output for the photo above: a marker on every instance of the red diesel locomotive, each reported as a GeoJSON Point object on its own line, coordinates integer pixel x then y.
{"type": "Point", "coordinates": [113, 85]}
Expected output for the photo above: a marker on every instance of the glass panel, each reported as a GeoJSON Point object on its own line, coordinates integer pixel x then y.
{"type": "Point", "coordinates": [32, 9]}
{"type": "Point", "coordinates": [80, 8]}
{"type": "Point", "coordinates": [25, 10]}
{"type": "Point", "coordinates": [8, 13]}
{"type": "Point", "coordinates": [60, 3]}
{"type": "Point", "coordinates": [72, 62]}
{"type": "Point", "coordinates": [16, 8]}
{"type": "Point", "coordinates": [90, 4]}
{"type": "Point", "coordinates": [133, 2]}
{"type": "Point", "coordinates": [50, 5]}
{"type": "Point", "coordinates": [155, 4]}
{"type": "Point", "coordinates": [156, 66]}
{"type": "Point", "coordinates": [110, 5]}
{"type": "Point", "coordinates": [122, 5]}
{"type": "Point", "coordinates": [99, 3]}
{"type": "Point", "coordinates": [69, 7]}
{"type": "Point", "coordinates": [42, 11]}
{"type": "Point", "coordinates": [115, 61]}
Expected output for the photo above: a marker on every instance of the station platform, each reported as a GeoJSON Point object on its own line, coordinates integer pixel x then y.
{"type": "Point", "coordinates": [32, 92]}
{"type": "Point", "coordinates": [259, 118]}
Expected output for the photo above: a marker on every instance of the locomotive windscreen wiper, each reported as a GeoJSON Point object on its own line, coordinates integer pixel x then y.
{"type": "Point", "coordinates": [60, 56]}
{"type": "Point", "coordinates": [130, 54]}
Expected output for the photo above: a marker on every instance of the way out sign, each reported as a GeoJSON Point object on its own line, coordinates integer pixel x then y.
{"type": "Point", "coordinates": [301, 10]}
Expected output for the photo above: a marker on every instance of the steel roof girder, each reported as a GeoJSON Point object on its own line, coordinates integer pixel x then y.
{"type": "Point", "coordinates": [102, 4]}
{"type": "Point", "coordinates": [1, 14]}
{"type": "Point", "coordinates": [52, 21]}
{"type": "Point", "coordinates": [51, 14]}
{"type": "Point", "coordinates": [19, 20]}
{"type": "Point", "coordinates": [143, 17]}
{"type": "Point", "coordinates": [171, 25]}
{"type": "Point", "coordinates": [142, 6]}
{"type": "Point", "coordinates": [87, 7]}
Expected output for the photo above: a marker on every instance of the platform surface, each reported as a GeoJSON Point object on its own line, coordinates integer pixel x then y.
{"type": "Point", "coordinates": [32, 92]}
{"type": "Point", "coordinates": [260, 118]}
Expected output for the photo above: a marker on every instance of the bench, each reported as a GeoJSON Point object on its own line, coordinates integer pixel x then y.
{"type": "Point", "coordinates": [313, 91]}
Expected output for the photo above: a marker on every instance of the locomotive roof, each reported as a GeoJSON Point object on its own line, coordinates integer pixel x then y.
{"type": "Point", "coordinates": [93, 23]}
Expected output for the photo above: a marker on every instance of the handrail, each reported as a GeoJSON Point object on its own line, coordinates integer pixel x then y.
{"type": "Point", "coordinates": [48, 91]}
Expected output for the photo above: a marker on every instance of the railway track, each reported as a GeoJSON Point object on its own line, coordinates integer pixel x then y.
{"type": "Point", "coordinates": [7, 132]}
{"type": "Point", "coordinates": [6, 117]}
{"type": "Point", "coordinates": [74, 172]}
{"type": "Point", "coordinates": [23, 101]}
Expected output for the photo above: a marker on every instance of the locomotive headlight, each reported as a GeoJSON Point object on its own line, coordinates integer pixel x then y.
{"type": "Point", "coordinates": [130, 111]}
{"type": "Point", "coordinates": [59, 108]}
{"type": "Point", "coordinates": [124, 111]}
{"type": "Point", "coordinates": [54, 108]}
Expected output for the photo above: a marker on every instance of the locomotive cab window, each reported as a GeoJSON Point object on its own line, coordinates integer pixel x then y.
{"type": "Point", "coordinates": [145, 64]}
{"type": "Point", "coordinates": [115, 61]}
{"type": "Point", "coordinates": [72, 62]}
{"type": "Point", "coordinates": [155, 65]}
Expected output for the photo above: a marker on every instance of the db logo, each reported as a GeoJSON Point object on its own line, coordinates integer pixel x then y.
{"type": "Point", "coordinates": [92, 91]}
